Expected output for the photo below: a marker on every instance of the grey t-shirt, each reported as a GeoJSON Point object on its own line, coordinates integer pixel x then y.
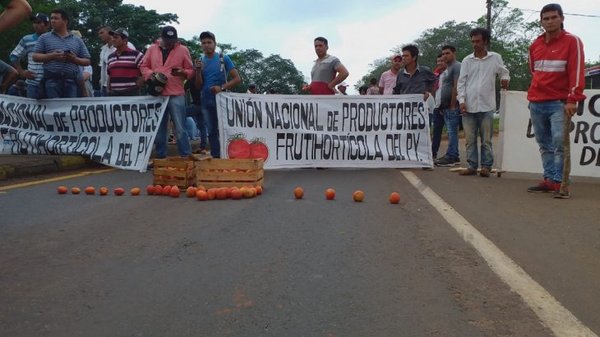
{"type": "Point", "coordinates": [452, 74]}
{"type": "Point", "coordinates": [324, 70]}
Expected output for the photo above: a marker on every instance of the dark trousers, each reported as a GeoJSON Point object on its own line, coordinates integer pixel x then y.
{"type": "Point", "coordinates": [436, 135]}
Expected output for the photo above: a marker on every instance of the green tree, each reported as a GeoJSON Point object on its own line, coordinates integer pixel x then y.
{"type": "Point", "coordinates": [511, 37]}
{"type": "Point", "coordinates": [376, 69]}
{"type": "Point", "coordinates": [278, 75]}
{"type": "Point", "coordinates": [430, 43]}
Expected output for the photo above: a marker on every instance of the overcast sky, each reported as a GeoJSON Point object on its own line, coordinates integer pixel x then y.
{"type": "Point", "coordinates": [358, 31]}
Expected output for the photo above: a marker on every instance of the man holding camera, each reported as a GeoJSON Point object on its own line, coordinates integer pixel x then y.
{"type": "Point", "coordinates": [165, 67]}
{"type": "Point", "coordinates": [62, 53]}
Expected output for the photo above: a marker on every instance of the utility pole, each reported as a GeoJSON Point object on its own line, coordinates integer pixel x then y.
{"type": "Point", "coordinates": [489, 19]}
{"type": "Point", "coordinates": [489, 14]}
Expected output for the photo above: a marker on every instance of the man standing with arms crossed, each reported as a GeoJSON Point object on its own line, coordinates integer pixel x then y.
{"type": "Point", "coordinates": [327, 72]}
{"type": "Point", "coordinates": [557, 65]}
{"type": "Point", "coordinates": [477, 98]}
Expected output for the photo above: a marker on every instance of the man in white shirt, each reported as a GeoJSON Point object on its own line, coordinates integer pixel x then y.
{"type": "Point", "coordinates": [107, 49]}
{"type": "Point", "coordinates": [477, 97]}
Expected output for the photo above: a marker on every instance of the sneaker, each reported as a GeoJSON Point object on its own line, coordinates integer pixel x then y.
{"type": "Point", "coordinates": [445, 161]}
{"type": "Point", "coordinates": [542, 187]}
{"type": "Point", "coordinates": [484, 172]}
{"type": "Point", "coordinates": [201, 151]}
{"type": "Point", "coordinates": [468, 172]}
{"type": "Point", "coordinates": [560, 195]}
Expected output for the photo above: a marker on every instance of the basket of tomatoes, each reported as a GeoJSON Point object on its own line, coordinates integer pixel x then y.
{"type": "Point", "coordinates": [174, 171]}
{"type": "Point", "coordinates": [212, 172]}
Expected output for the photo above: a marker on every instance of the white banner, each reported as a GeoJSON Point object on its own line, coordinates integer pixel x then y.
{"type": "Point", "coordinates": [115, 131]}
{"type": "Point", "coordinates": [325, 131]}
{"type": "Point", "coordinates": [519, 150]}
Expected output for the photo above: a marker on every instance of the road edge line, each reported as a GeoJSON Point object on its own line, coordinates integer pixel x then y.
{"type": "Point", "coordinates": [55, 179]}
{"type": "Point", "coordinates": [550, 311]}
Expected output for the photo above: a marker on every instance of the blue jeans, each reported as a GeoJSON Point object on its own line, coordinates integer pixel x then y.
{"type": "Point", "coordinates": [176, 110]}
{"type": "Point", "coordinates": [479, 124]}
{"type": "Point", "coordinates": [60, 88]}
{"type": "Point", "coordinates": [209, 110]}
{"type": "Point", "coordinates": [436, 136]}
{"type": "Point", "coordinates": [452, 120]}
{"type": "Point", "coordinates": [547, 119]}
{"type": "Point", "coordinates": [33, 91]}
{"type": "Point", "coordinates": [195, 112]}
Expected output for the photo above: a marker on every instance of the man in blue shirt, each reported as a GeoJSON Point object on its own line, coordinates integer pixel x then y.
{"type": "Point", "coordinates": [35, 70]}
{"type": "Point", "coordinates": [62, 53]}
{"type": "Point", "coordinates": [211, 74]}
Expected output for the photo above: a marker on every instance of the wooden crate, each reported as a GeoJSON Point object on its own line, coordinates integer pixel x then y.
{"type": "Point", "coordinates": [174, 171]}
{"type": "Point", "coordinates": [211, 172]}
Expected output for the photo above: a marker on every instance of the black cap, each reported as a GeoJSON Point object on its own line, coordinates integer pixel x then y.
{"type": "Point", "coordinates": [207, 35]}
{"type": "Point", "coordinates": [251, 85]}
{"type": "Point", "coordinates": [121, 32]}
{"type": "Point", "coordinates": [40, 17]}
{"type": "Point", "coordinates": [168, 34]}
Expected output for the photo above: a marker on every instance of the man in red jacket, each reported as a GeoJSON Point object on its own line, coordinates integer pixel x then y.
{"type": "Point", "coordinates": [557, 65]}
{"type": "Point", "coordinates": [165, 66]}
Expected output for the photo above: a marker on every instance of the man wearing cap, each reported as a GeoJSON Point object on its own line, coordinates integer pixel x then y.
{"type": "Point", "coordinates": [213, 71]}
{"type": "Point", "coordinates": [327, 72]}
{"type": "Point", "coordinates": [62, 53]}
{"type": "Point", "coordinates": [342, 88]}
{"type": "Point", "coordinates": [35, 70]}
{"type": "Point", "coordinates": [123, 67]}
{"type": "Point", "coordinates": [251, 89]}
{"type": "Point", "coordinates": [105, 51]}
{"type": "Point", "coordinates": [172, 61]}
{"type": "Point", "coordinates": [387, 81]}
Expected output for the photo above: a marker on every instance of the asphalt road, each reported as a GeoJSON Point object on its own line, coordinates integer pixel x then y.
{"type": "Point", "coordinates": [77, 265]}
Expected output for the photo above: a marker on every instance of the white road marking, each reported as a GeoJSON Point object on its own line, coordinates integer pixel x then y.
{"type": "Point", "coordinates": [560, 320]}
{"type": "Point", "coordinates": [3, 189]}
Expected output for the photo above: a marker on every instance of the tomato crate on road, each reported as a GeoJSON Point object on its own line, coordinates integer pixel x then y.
{"type": "Point", "coordinates": [211, 172]}
{"type": "Point", "coordinates": [174, 171]}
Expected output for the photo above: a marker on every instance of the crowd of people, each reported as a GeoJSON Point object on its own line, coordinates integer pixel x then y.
{"type": "Point", "coordinates": [59, 66]}
{"type": "Point", "coordinates": [464, 93]}
{"type": "Point", "coordinates": [455, 92]}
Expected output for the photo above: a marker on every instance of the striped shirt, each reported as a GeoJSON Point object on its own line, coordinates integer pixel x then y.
{"type": "Point", "coordinates": [124, 70]}
{"type": "Point", "coordinates": [24, 49]}
{"type": "Point", "coordinates": [52, 42]}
